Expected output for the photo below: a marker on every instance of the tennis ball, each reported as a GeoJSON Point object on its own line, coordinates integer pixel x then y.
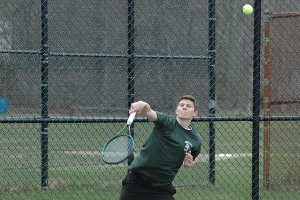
{"type": "Point", "coordinates": [247, 9]}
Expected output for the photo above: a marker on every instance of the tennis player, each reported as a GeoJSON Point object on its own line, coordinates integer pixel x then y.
{"type": "Point", "coordinates": [172, 143]}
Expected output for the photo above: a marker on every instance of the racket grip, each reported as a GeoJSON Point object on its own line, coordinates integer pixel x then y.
{"type": "Point", "coordinates": [131, 118]}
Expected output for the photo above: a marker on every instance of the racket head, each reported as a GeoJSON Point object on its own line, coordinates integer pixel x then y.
{"type": "Point", "coordinates": [118, 149]}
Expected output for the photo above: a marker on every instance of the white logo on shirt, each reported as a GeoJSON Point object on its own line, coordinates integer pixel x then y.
{"type": "Point", "coordinates": [188, 146]}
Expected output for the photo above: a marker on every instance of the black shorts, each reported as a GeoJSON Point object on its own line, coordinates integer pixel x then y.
{"type": "Point", "coordinates": [134, 188]}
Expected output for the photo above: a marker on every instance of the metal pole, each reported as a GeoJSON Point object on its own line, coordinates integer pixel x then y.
{"type": "Point", "coordinates": [212, 88]}
{"type": "Point", "coordinates": [256, 99]}
{"type": "Point", "coordinates": [44, 94]}
{"type": "Point", "coordinates": [266, 103]}
{"type": "Point", "coordinates": [130, 61]}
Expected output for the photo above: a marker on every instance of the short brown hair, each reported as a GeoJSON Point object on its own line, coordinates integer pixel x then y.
{"type": "Point", "coordinates": [189, 97]}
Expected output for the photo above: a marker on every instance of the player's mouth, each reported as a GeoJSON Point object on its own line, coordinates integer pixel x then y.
{"type": "Point", "coordinates": [183, 113]}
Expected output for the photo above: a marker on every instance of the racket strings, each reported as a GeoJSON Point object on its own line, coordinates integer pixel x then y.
{"type": "Point", "coordinates": [118, 149]}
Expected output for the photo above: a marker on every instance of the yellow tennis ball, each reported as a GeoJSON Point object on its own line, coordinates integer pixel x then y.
{"type": "Point", "coordinates": [247, 9]}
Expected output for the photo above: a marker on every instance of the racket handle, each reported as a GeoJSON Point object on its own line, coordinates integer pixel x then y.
{"type": "Point", "coordinates": [131, 118]}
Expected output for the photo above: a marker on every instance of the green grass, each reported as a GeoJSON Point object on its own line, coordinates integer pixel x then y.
{"type": "Point", "coordinates": [77, 172]}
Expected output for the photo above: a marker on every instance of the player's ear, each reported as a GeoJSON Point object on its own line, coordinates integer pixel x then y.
{"type": "Point", "coordinates": [195, 113]}
{"type": "Point", "coordinates": [176, 109]}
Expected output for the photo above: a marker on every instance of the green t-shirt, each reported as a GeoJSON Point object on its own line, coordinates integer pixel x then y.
{"type": "Point", "coordinates": [163, 153]}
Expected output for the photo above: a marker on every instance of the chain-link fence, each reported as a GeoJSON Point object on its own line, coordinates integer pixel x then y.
{"type": "Point", "coordinates": [69, 71]}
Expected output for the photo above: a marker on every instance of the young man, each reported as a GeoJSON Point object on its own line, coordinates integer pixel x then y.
{"type": "Point", "coordinates": [172, 143]}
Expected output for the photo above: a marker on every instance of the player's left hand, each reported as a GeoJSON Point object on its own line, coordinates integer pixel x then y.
{"type": "Point", "coordinates": [188, 161]}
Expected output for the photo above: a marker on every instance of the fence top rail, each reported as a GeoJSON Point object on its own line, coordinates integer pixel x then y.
{"type": "Point", "coordinates": [69, 54]}
{"type": "Point", "coordinates": [124, 119]}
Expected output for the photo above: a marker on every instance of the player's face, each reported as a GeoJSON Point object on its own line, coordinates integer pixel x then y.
{"type": "Point", "coordinates": [186, 109]}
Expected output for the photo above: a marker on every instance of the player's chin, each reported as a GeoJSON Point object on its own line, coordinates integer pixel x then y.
{"type": "Point", "coordinates": [184, 116]}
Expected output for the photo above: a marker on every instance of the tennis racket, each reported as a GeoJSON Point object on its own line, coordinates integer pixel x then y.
{"type": "Point", "coordinates": [120, 147]}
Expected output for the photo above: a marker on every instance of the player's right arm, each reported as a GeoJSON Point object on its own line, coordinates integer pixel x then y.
{"type": "Point", "coordinates": [144, 109]}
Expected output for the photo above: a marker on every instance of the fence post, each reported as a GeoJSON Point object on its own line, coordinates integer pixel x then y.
{"type": "Point", "coordinates": [256, 99]}
{"type": "Point", "coordinates": [44, 94]}
{"type": "Point", "coordinates": [212, 88]}
{"type": "Point", "coordinates": [130, 61]}
{"type": "Point", "coordinates": [266, 103]}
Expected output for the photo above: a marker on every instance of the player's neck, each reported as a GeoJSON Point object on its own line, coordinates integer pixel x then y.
{"type": "Point", "coordinates": [185, 123]}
